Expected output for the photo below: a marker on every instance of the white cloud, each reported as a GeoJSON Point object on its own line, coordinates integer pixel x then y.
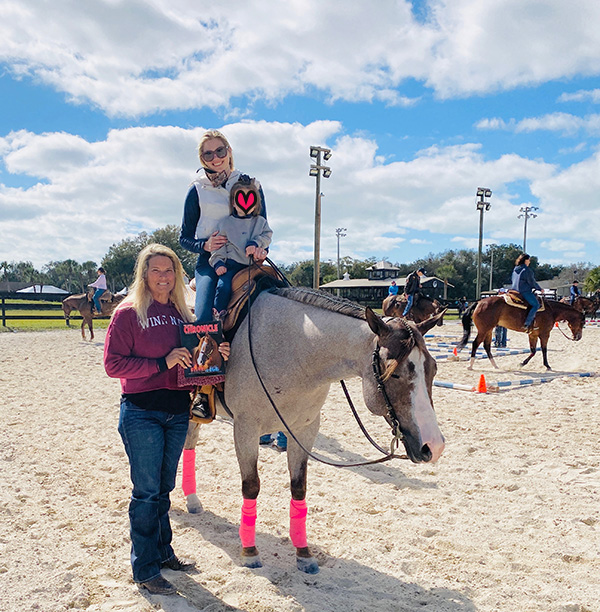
{"type": "Point", "coordinates": [133, 58]}
{"type": "Point", "coordinates": [553, 122]}
{"type": "Point", "coordinates": [89, 195]}
{"type": "Point", "coordinates": [562, 245]}
{"type": "Point", "coordinates": [582, 95]}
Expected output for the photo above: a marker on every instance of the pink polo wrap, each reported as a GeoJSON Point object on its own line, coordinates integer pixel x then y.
{"type": "Point", "coordinates": [298, 512]}
{"type": "Point", "coordinates": [248, 523]}
{"type": "Point", "coordinates": [188, 471]}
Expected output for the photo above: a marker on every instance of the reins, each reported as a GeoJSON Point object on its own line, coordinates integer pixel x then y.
{"type": "Point", "coordinates": [397, 435]}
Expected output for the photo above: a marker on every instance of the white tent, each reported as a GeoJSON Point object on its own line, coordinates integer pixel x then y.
{"type": "Point", "coordinates": [42, 289]}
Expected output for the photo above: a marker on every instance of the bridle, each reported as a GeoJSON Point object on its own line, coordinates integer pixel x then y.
{"type": "Point", "coordinates": [376, 366]}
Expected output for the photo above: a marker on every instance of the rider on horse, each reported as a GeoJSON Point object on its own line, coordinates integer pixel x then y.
{"type": "Point", "coordinates": [100, 287]}
{"type": "Point", "coordinates": [411, 288]}
{"type": "Point", "coordinates": [523, 281]}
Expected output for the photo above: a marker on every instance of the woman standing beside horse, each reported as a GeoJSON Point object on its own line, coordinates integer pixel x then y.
{"type": "Point", "coordinates": [143, 348]}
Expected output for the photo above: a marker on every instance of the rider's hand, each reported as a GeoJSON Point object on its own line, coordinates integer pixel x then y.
{"type": "Point", "coordinates": [221, 270]}
{"type": "Point", "coordinates": [260, 254]}
{"type": "Point", "coordinates": [179, 355]}
{"type": "Point", "coordinates": [250, 250]}
{"type": "Point", "coordinates": [215, 241]}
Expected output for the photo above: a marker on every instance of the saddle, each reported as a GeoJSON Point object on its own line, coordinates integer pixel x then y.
{"type": "Point", "coordinates": [247, 284]}
{"type": "Point", "coordinates": [514, 298]}
{"type": "Point", "coordinates": [107, 296]}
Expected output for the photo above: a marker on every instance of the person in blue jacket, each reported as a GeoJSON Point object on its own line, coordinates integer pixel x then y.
{"type": "Point", "coordinates": [574, 292]}
{"type": "Point", "coordinates": [523, 281]}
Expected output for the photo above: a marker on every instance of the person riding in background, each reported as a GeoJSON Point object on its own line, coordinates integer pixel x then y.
{"type": "Point", "coordinates": [393, 288]}
{"type": "Point", "coordinates": [574, 292]}
{"type": "Point", "coordinates": [412, 287]}
{"type": "Point", "coordinates": [523, 281]}
{"type": "Point", "coordinates": [100, 287]}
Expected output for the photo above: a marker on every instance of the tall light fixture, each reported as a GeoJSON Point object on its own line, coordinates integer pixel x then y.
{"type": "Point", "coordinates": [316, 170]}
{"type": "Point", "coordinates": [482, 205]}
{"type": "Point", "coordinates": [526, 214]}
{"type": "Point", "coordinates": [339, 232]}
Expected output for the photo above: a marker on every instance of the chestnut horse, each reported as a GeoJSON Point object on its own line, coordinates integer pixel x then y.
{"type": "Point", "coordinates": [82, 303]}
{"type": "Point", "coordinates": [588, 306]}
{"type": "Point", "coordinates": [422, 309]}
{"type": "Point", "coordinates": [492, 311]}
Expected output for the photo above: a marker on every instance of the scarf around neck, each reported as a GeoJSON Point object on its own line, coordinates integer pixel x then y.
{"type": "Point", "coordinates": [217, 179]}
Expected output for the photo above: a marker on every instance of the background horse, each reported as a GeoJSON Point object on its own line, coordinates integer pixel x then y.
{"type": "Point", "coordinates": [81, 302]}
{"type": "Point", "coordinates": [492, 311]}
{"type": "Point", "coordinates": [296, 350]}
{"type": "Point", "coordinates": [423, 307]}
{"type": "Point", "coordinates": [588, 306]}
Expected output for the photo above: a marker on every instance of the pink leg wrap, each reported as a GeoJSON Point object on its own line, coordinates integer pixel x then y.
{"type": "Point", "coordinates": [298, 512]}
{"type": "Point", "coordinates": [248, 524]}
{"type": "Point", "coordinates": [188, 476]}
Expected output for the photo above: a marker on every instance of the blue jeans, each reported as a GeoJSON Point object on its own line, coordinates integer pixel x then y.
{"type": "Point", "coordinates": [153, 441]}
{"type": "Point", "coordinates": [96, 299]}
{"type": "Point", "coordinates": [409, 303]}
{"type": "Point", "coordinates": [223, 292]}
{"type": "Point", "coordinates": [206, 285]}
{"type": "Point", "coordinates": [531, 299]}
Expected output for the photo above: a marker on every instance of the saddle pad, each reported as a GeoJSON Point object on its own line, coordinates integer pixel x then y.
{"type": "Point", "coordinates": [514, 298]}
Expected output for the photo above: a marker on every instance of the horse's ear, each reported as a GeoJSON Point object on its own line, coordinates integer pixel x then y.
{"type": "Point", "coordinates": [377, 324]}
{"type": "Point", "coordinates": [430, 323]}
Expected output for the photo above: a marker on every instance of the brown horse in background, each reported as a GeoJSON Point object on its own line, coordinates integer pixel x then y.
{"type": "Point", "coordinates": [82, 303]}
{"type": "Point", "coordinates": [492, 311]}
{"type": "Point", "coordinates": [588, 306]}
{"type": "Point", "coordinates": [422, 309]}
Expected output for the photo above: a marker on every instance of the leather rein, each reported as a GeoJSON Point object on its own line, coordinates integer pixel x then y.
{"type": "Point", "coordinates": [376, 366]}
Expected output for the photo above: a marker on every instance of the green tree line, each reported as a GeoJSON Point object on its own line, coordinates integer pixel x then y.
{"type": "Point", "coordinates": [458, 267]}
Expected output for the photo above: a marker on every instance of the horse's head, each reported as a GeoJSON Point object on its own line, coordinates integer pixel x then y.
{"type": "Point", "coordinates": [575, 321]}
{"type": "Point", "coordinates": [398, 384]}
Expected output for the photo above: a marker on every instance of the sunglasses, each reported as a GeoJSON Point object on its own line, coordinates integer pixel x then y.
{"type": "Point", "coordinates": [220, 152]}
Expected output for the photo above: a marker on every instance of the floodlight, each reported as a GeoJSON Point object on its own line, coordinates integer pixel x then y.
{"type": "Point", "coordinates": [326, 171]}
{"type": "Point", "coordinates": [314, 151]}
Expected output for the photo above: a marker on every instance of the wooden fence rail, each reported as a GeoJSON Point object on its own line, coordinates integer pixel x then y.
{"type": "Point", "coordinates": [41, 301]}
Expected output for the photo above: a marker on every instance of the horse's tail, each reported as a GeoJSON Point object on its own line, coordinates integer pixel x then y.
{"type": "Point", "coordinates": [467, 323]}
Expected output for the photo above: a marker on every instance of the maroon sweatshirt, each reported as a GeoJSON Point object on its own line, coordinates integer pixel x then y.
{"type": "Point", "coordinates": [136, 355]}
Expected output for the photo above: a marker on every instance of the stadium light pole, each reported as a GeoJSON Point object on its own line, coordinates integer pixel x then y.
{"type": "Point", "coordinates": [482, 205]}
{"type": "Point", "coordinates": [526, 214]}
{"type": "Point", "coordinates": [339, 232]}
{"type": "Point", "coordinates": [316, 170]}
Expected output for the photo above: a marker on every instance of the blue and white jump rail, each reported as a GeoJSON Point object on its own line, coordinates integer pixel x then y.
{"type": "Point", "coordinates": [506, 384]}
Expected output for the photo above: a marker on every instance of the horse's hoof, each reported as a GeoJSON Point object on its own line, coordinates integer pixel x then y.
{"type": "Point", "coordinates": [308, 565]}
{"type": "Point", "coordinates": [252, 562]}
{"type": "Point", "coordinates": [193, 504]}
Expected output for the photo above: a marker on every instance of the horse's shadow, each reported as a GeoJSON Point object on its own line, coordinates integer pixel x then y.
{"type": "Point", "coordinates": [378, 473]}
{"type": "Point", "coordinates": [342, 584]}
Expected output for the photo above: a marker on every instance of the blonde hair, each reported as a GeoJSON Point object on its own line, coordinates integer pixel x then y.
{"type": "Point", "coordinates": [208, 135]}
{"type": "Point", "coordinates": [139, 297]}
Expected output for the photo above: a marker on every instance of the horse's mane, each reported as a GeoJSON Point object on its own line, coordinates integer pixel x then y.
{"type": "Point", "coordinates": [321, 299]}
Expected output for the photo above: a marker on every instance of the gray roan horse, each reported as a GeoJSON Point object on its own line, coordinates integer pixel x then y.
{"type": "Point", "coordinates": [302, 341]}
{"type": "Point", "coordinates": [81, 302]}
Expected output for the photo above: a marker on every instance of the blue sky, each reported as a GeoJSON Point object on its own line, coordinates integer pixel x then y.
{"type": "Point", "coordinates": [102, 107]}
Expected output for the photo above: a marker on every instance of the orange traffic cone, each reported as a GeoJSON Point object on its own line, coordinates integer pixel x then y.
{"type": "Point", "coordinates": [556, 324]}
{"type": "Point", "coordinates": [481, 387]}
{"type": "Point", "coordinates": [455, 352]}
